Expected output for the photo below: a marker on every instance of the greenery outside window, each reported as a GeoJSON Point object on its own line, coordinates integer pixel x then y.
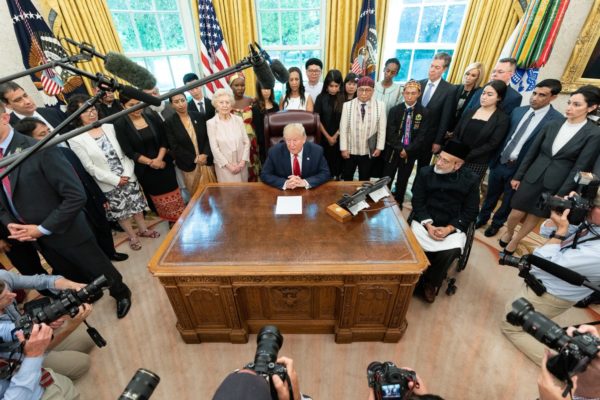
{"type": "Point", "coordinates": [417, 29]}
{"type": "Point", "coordinates": [158, 35]}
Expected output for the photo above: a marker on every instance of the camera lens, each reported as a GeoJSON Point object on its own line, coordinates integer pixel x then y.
{"type": "Point", "coordinates": [536, 324]}
{"type": "Point", "coordinates": [269, 341]}
{"type": "Point", "coordinates": [141, 386]}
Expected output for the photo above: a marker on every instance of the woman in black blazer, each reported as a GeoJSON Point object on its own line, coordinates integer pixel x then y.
{"type": "Point", "coordinates": [472, 78]}
{"type": "Point", "coordinates": [142, 138]}
{"type": "Point", "coordinates": [188, 141]}
{"type": "Point", "coordinates": [560, 150]}
{"type": "Point", "coordinates": [483, 129]}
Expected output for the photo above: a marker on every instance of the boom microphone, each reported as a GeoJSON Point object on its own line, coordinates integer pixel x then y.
{"type": "Point", "coordinates": [563, 273]}
{"type": "Point", "coordinates": [261, 69]}
{"type": "Point", "coordinates": [280, 71]}
{"type": "Point", "coordinates": [130, 71]}
{"type": "Point", "coordinates": [137, 94]}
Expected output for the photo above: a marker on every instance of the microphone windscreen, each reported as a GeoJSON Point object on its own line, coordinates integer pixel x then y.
{"type": "Point", "coordinates": [280, 71]}
{"type": "Point", "coordinates": [264, 75]}
{"type": "Point", "coordinates": [561, 272]}
{"type": "Point", "coordinates": [134, 93]}
{"type": "Point", "coordinates": [128, 70]}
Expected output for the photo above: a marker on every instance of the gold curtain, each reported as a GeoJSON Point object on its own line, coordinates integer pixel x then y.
{"type": "Point", "coordinates": [488, 26]}
{"type": "Point", "coordinates": [340, 28]}
{"type": "Point", "coordinates": [238, 23]}
{"type": "Point", "coordinates": [85, 21]}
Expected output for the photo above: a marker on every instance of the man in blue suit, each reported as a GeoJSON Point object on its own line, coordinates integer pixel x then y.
{"type": "Point", "coordinates": [503, 71]}
{"type": "Point", "coordinates": [295, 163]}
{"type": "Point", "coordinates": [526, 122]}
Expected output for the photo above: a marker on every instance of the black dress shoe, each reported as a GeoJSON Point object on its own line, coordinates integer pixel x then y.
{"type": "Point", "coordinates": [491, 231]}
{"type": "Point", "coordinates": [593, 298]}
{"type": "Point", "coordinates": [123, 307]}
{"type": "Point", "coordinates": [479, 224]}
{"type": "Point", "coordinates": [119, 256]}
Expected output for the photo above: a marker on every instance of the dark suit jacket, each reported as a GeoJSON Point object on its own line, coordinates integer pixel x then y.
{"type": "Point", "coordinates": [515, 117]}
{"type": "Point", "coordinates": [511, 100]}
{"type": "Point", "coordinates": [210, 110]}
{"type": "Point", "coordinates": [393, 136]}
{"type": "Point", "coordinates": [278, 167]}
{"type": "Point", "coordinates": [459, 112]}
{"type": "Point", "coordinates": [54, 116]}
{"type": "Point", "coordinates": [132, 144]}
{"type": "Point", "coordinates": [47, 192]}
{"type": "Point", "coordinates": [441, 110]}
{"type": "Point", "coordinates": [557, 171]}
{"type": "Point", "coordinates": [446, 199]}
{"type": "Point", "coordinates": [182, 148]}
{"type": "Point", "coordinates": [485, 143]}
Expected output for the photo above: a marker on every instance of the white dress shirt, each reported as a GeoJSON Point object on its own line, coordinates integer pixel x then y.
{"type": "Point", "coordinates": [537, 118]}
{"type": "Point", "coordinates": [566, 133]}
{"type": "Point", "coordinates": [306, 184]}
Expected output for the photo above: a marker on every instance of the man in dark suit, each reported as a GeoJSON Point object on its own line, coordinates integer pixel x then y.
{"type": "Point", "coordinates": [404, 138]}
{"type": "Point", "coordinates": [526, 122]}
{"type": "Point", "coordinates": [437, 96]}
{"type": "Point", "coordinates": [295, 163]}
{"type": "Point", "coordinates": [23, 106]}
{"type": "Point", "coordinates": [445, 201]}
{"type": "Point", "coordinates": [198, 103]}
{"type": "Point", "coordinates": [52, 214]}
{"type": "Point", "coordinates": [503, 71]}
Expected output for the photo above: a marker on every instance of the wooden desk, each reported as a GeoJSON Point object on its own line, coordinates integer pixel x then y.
{"type": "Point", "coordinates": [230, 266]}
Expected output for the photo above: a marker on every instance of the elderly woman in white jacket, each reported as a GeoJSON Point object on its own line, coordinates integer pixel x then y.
{"type": "Point", "coordinates": [102, 157]}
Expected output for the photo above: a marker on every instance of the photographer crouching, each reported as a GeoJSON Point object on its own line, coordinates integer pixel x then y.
{"type": "Point", "coordinates": [574, 232]}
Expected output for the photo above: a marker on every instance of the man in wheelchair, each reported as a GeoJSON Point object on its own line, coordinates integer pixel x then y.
{"type": "Point", "coordinates": [445, 201]}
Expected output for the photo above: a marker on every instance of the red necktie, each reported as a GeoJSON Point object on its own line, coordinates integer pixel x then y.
{"type": "Point", "coordinates": [5, 180]}
{"type": "Point", "coordinates": [296, 170]}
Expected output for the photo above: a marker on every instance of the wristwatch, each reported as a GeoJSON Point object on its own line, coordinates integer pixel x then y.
{"type": "Point", "coordinates": [559, 237]}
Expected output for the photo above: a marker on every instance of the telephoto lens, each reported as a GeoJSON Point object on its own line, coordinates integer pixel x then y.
{"type": "Point", "coordinates": [141, 386]}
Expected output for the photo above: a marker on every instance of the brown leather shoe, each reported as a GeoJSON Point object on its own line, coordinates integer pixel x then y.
{"type": "Point", "coordinates": [429, 292]}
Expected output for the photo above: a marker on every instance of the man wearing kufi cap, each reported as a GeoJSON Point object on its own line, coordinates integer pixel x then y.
{"type": "Point", "coordinates": [445, 201]}
{"type": "Point", "coordinates": [362, 131]}
{"type": "Point", "coordinates": [574, 247]}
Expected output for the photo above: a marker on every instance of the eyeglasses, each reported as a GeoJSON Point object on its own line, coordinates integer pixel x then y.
{"type": "Point", "coordinates": [498, 71]}
{"type": "Point", "coordinates": [365, 89]}
{"type": "Point", "coordinates": [90, 110]}
{"type": "Point", "coordinates": [313, 70]}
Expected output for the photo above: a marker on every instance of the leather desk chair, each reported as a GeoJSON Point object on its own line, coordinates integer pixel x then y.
{"type": "Point", "coordinates": [275, 122]}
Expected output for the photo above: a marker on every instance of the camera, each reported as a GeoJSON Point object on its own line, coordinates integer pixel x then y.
{"type": "Point", "coordinates": [579, 204]}
{"type": "Point", "coordinates": [47, 310]}
{"type": "Point", "coordinates": [141, 386]}
{"type": "Point", "coordinates": [574, 353]}
{"type": "Point", "coordinates": [389, 381]}
{"type": "Point", "coordinates": [269, 341]}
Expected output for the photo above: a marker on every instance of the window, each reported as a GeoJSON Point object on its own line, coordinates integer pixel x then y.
{"type": "Point", "coordinates": [417, 29]}
{"type": "Point", "coordinates": [291, 31]}
{"type": "Point", "coordinates": [158, 35]}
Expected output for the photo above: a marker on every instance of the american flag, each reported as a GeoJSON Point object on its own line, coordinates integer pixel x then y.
{"type": "Point", "coordinates": [214, 53]}
{"type": "Point", "coordinates": [364, 50]}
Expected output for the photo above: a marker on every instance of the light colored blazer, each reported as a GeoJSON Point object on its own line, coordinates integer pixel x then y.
{"type": "Point", "coordinates": [95, 163]}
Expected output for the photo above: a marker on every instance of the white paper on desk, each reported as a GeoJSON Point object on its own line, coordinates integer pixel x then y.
{"type": "Point", "coordinates": [288, 205]}
{"type": "Point", "coordinates": [379, 193]}
{"type": "Point", "coordinates": [361, 205]}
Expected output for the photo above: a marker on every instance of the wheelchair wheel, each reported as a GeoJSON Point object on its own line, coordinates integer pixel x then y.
{"type": "Point", "coordinates": [451, 289]}
{"type": "Point", "coordinates": [464, 258]}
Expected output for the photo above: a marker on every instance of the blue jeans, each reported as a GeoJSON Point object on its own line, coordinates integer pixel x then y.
{"type": "Point", "coordinates": [498, 184]}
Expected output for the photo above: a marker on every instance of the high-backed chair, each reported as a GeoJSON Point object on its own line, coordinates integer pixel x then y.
{"type": "Point", "coordinates": [275, 122]}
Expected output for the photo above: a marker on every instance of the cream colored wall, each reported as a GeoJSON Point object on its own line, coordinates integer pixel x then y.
{"type": "Point", "coordinates": [565, 41]}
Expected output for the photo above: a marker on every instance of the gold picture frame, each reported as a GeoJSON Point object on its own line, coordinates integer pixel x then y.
{"type": "Point", "coordinates": [584, 65]}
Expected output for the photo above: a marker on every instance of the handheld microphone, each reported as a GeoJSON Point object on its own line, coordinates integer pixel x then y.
{"type": "Point", "coordinates": [261, 69]}
{"type": "Point", "coordinates": [119, 65]}
{"type": "Point", "coordinates": [279, 70]}
{"type": "Point", "coordinates": [563, 273]}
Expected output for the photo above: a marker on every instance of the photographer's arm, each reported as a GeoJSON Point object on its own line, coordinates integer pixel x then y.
{"type": "Point", "coordinates": [548, 386]}
{"type": "Point", "coordinates": [588, 384]}
{"type": "Point", "coordinates": [561, 223]}
{"type": "Point", "coordinates": [71, 324]}
{"type": "Point", "coordinates": [282, 387]}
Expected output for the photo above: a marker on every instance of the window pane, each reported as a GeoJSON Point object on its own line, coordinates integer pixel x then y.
{"type": "Point", "coordinates": [292, 58]}
{"type": "Point", "coordinates": [170, 24]}
{"type": "Point", "coordinates": [421, 62]}
{"type": "Point", "coordinates": [267, 4]}
{"type": "Point", "coordinates": [180, 65]}
{"type": "Point", "coordinates": [117, 5]}
{"type": "Point", "coordinates": [311, 28]}
{"type": "Point", "coordinates": [141, 5]}
{"type": "Point", "coordinates": [451, 52]}
{"type": "Point", "coordinates": [412, 1]}
{"type": "Point", "coordinates": [452, 25]}
{"type": "Point", "coordinates": [159, 66]}
{"type": "Point", "coordinates": [311, 4]}
{"type": "Point", "coordinates": [126, 32]}
{"type": "Point", "coordinates": [287, 4]}
{"type": "Point", "coordinates": [269, 28]}
{"type": "Point", "coordinates": [170, 5]}
{"type": "Point", "coordinates": [408, 25]}
{"type": "Point", "coordinates": [430, 24]}
{"type": "Point", "coordinates": [148, 30]}
{"type": "Point", "coordinates": [290, 28]}
{"type": "Point", "coordinates": [404, 57]}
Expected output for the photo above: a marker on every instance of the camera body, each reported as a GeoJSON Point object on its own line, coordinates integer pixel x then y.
{"type": "Point", "coordinates": [47, 310]}
{"type": "Point", "coordinates": [269, 341]}
{"type": "Point", "coordinates": [579, 204]}
{"type": "Point", "coordinates": [389, 381]}
{"type": "Point", "coordinates": [574, 353]}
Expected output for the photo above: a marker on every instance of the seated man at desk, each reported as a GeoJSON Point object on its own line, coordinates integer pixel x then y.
{"type": "Point", "coordinates": [295, 163]}
{"type": "Point", "coordinates": [445, 201]}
